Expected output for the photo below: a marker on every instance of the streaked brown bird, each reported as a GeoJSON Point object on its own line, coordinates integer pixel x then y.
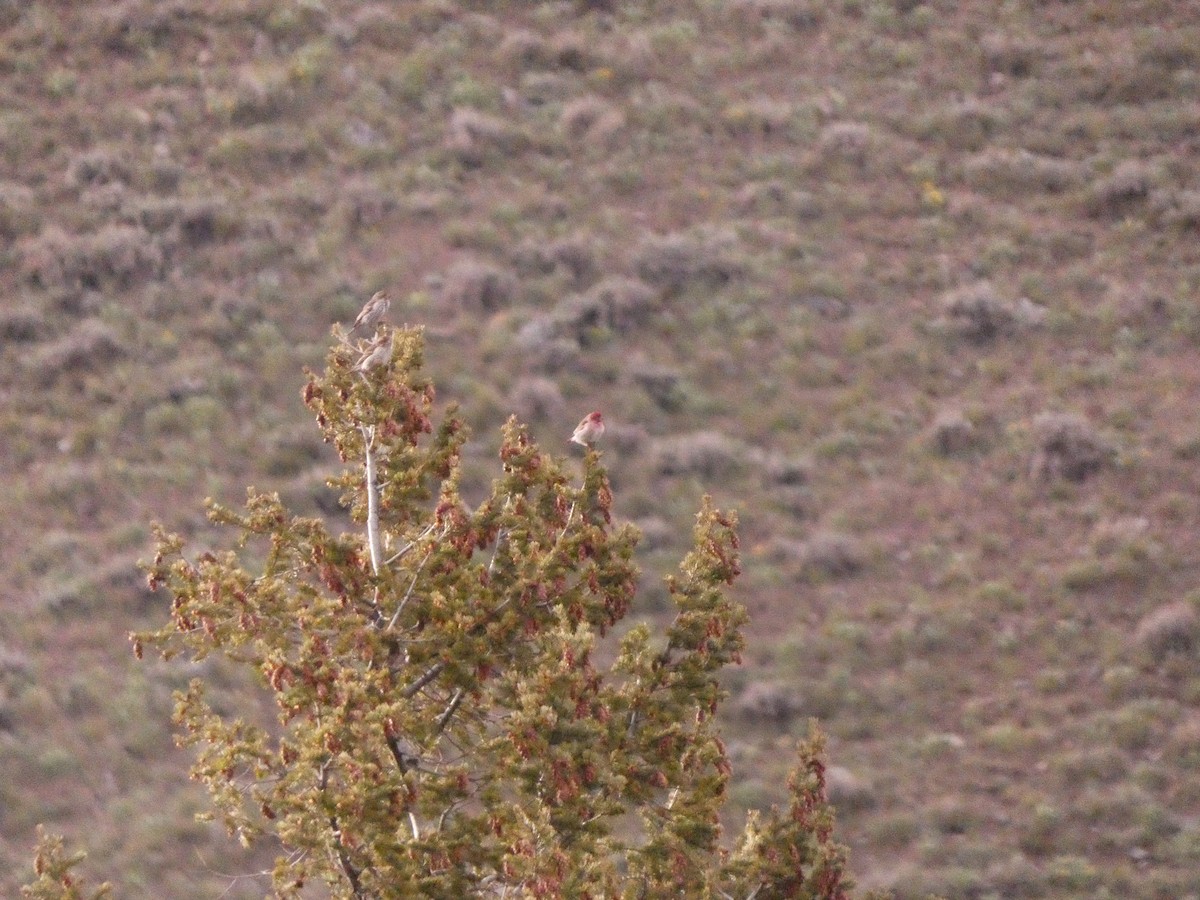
{"type": "Point", "coordinates": [378, 353]}
{"type": "Point", "coordinates": [589, 430]}
{"type": "Point", "coordinates": [372, 312]}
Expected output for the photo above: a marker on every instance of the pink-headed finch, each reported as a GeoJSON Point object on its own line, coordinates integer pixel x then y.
{"type": "Point", "coordinates": [589, 430]}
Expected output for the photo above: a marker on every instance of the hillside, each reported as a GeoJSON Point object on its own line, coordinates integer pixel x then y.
{"type": "Point", "coordinates": [912, 286]}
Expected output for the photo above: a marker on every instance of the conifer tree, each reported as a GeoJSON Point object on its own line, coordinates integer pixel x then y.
{"type": "Point", "coordinates": [53, 875]}
{"type": "Point", "coordinates": [446, 727]}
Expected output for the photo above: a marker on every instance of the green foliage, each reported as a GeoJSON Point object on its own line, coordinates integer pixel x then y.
{"type": "Point", "coordinates": [52, 865]}
{"type": "Point", "coordinates": [446, 726]}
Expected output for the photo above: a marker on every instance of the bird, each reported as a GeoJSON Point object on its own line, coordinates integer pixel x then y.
{"type": "Point", "coordinates": [589, 430]}
{"type": "Point", "coordinates": [377, 353]}
{"type": "Point", "coordinates": [372, 312]}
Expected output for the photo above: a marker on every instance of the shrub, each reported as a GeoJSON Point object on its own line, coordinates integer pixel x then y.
{"type": "Point", "coordinates": [663, 384]}
{"type": "Point", "coordinates": [1072, 873]}
{"type": "Point", "coordinates": [1067, 446]}
{"type": "Point", "coordinates": [785, 471]}
{"type": "Point", "coordinates": [261, 150]}
{"type": "Point", "coordinates": [1137, 725]}
{"type": "Point", "coordinates": [376, 25]}
{"type": "Point", "coordinates": [831, 554]}
{"type": "Point", "coordinates": [1102, 764]}
{"type": "Point", "coordinates": [1016, 877]}
{"type": "Point", "coordinates": [15, 666]}
{"type": "Point", "coordinates": [21, 325]}
{"type": "Point", "coordinates": [969, 124]}
{"type": "Point", "coordinates": [802, 15]}
{"type": "Point", "coordinates": [1172, 628]}
{"type": "Point", "coordinates": [44, 260]}
{"type": "Point", "coordinates": [1019, 173]}
{"type": "Point", "coordinates": [203, 220]}
{"type": "Point", "coordinates": [1118, 194]}
{"type": "Point", "coordinates": [591, 120]}
{"type": "Point", "coordinates": [192, 222]}
{"type": "Point", "coordinates": [850, 141]}
{"type": "Point", "coordinates": [849, 791]}
{"type": "Point", "coordinates": [259, 96]}
{"type": "Point", "coordinates": [1010, 56]}
{"type": "Point", "coordinates": [574, 256]}
{"type": "Point", "coordinates": [474, 137]}
{"type": "Point", "coordinates": [1169, 51]}
{"type": "Point", "coordinates": [116, 256]}
{"type": "Point", "coordinates": [980, 314]}
{"type": "Point", "coordinates": [537, 89]}
{"type": "Point", "coordinates": [704, 454]}
{"type": "Point", "coordinates": [626, 438]}
{"type": "Point", "coordinates": [536, 399]}
{"type": "Point", "coordinates": [953, 434]}
{"type": "Point", "coordinates": [100, 165]}
{"type": "Point", "coordinates": [1183, 746]}
{"type": "Point", "coordinates": [775, 197]}
{"type": "Point", "coordinates": [473, 286]}
{"type": "Point", "coordinates": [165, 175]}
{"type": "Point", "coordinates": [286, 455]}
{"type": "Point", "coordinates": [1121, 80]}
{"type": "Point", "coordinates": [367, 204]}
{"type": "Point", "coordinates": [105, 201]}
{"type": "Point", "coordinates": [657, 533]}
{"type": "Point", "coordinates": [546, 348]}
{"type": "Point", "coordinates": [525, 49]}
{"type": "Point", "coordinates": [119, 255]}
{"type": "Point", "coordinates": [628, 303]}
{"type": "Point", "coordinates": [18, 211]}
{"type": "Point", "coordinates": [581, 319]}
{"type": "Point", "coordinates": [574, 50]}
{"type": "Point", "coordinates": [953, 817]}
{"type": "Point", "coordinates": [1177, 208]}
{"type": "Point", "coordinates": [705, 256]}
{"type": "Point", "coordinates": [893, 830]}
{"type": "Point", "coordinates": [91, 347]}
{"type": "Point", "coordinates": [1042, 832]}
{"type": "Point", "coordinates": [1125, 534]}
{"type": "Point", "coordinates": [761, 117]}
{"type": "Point", "coordinates": [769, 701]}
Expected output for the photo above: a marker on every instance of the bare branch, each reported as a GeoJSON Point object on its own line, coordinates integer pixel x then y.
{"type": "Point", "coordinates": [499, 540]}
{"type": "Point", "coordinates": [368, 433]}
{"type": "Point", "coordinates": [403, 551]}
{"type": "Point", "coordinates": [444, 719]}
{"type": "Point", "coordinates": [404, 761]}
{"type": "Point", "coordinates": [563, 533]}
{"type": "Point", "coordinates": [431, 673]}
{"type": "Point", "coordinates": [408, 593]}
{"type": "Point", "coordinates": [351, 872]}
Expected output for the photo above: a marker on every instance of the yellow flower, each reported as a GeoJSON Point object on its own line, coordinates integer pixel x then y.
{"type": "Point", "coordinates": [931, 195]}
